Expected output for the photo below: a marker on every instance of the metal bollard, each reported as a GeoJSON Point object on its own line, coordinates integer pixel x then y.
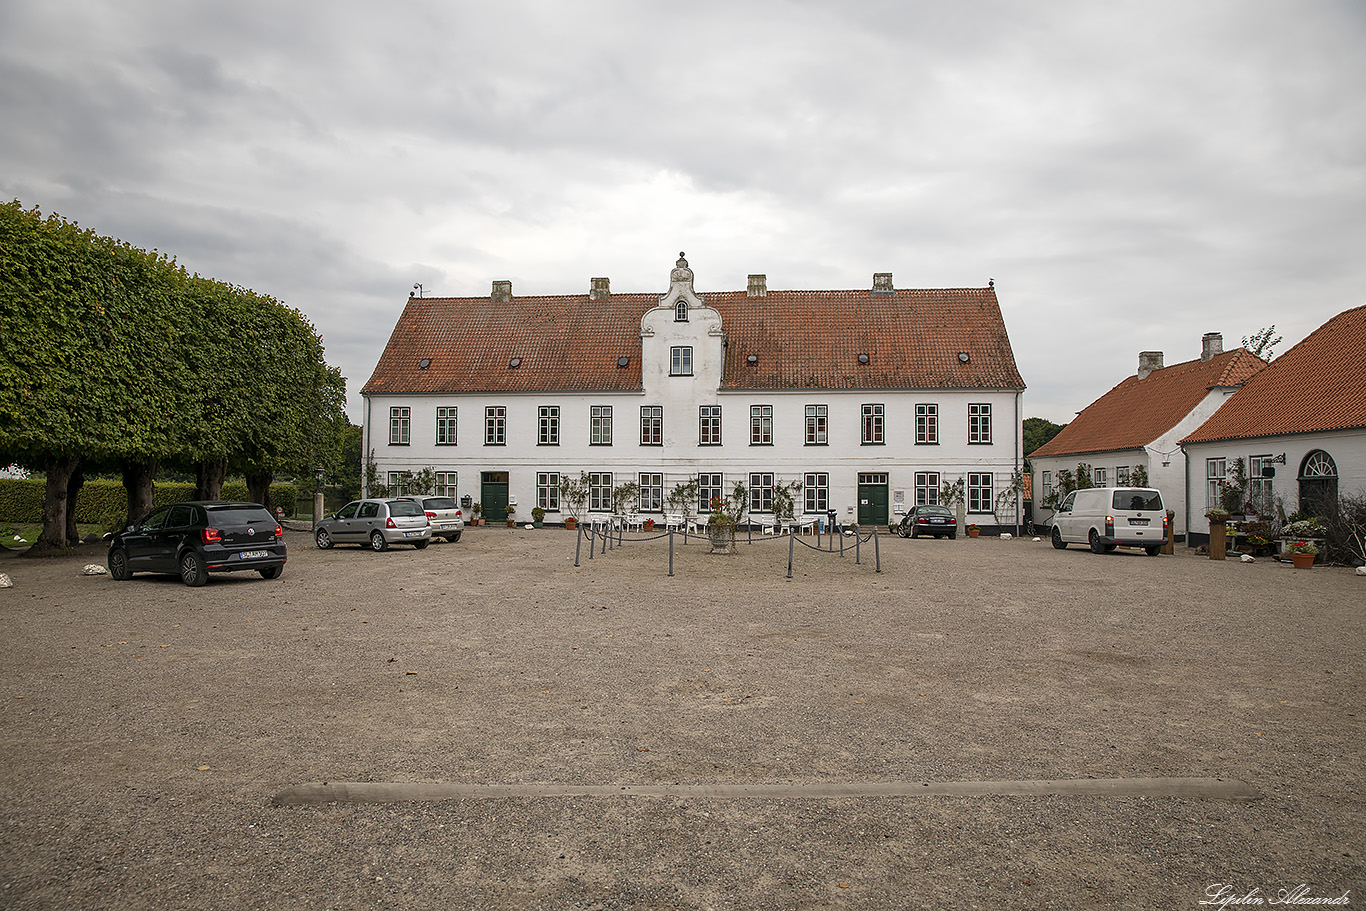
{"type": "Point", "coordinates": [671, 550]}
{"type": "Point", "coordinates": [877, 550]}
{"type": "Point", "coordinates": [578, 545]}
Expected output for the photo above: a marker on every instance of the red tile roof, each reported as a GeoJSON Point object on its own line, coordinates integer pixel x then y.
{"type": "Point", "coordinates": [1136, 412]}
{"type": "Point", "coordinates": [1319, 384]}
{"type": "Point", "coordinates": [802, 339]}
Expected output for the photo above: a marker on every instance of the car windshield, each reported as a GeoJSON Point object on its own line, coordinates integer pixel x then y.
{"type": "Point", "coordinates": [439, 503]}
{"type": "Point", "coordinates": [405, 508]}
{"type": "Point", "coordinates": [1137, 499]}
{"type": "Point", "coordinates": [240, 515]}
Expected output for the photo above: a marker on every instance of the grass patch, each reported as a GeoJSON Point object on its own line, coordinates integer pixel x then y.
{"type": "Point", "coordinates": [18, 535]}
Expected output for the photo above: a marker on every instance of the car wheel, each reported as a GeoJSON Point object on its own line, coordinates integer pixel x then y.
{"type": "Point", "coordinates": [1154, 550]}
{"type": "Point", "coordinates": [421, 545]}
{"type": "Point", "coordinates": [1058, 542]}
{"type": "Point", "coordinates": [271, 572]}
{"type": "Point", "coordinates": [377, 542]}
{"type": "Point", "coordinates": [323, 539]}
{"type": "Point", "coordinates": [453, 538]}
{"type": "Point", "coordinates": [903, 531]}
{"type": "Point", "coordinates": [118, 566]}
{"type": "Point", "coordinates": [192, 570]}
{"type": "Point", "coordinates": [1096, 546]}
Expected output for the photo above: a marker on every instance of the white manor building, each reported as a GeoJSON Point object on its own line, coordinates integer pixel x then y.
{"type": "Point", "coordinates": [871, 399]}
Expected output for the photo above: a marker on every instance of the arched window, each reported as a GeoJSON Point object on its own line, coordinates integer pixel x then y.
{"type": "Point", "coordinates": [1318, 483]}
{"type": "Point", "coordinates": [681, 312]}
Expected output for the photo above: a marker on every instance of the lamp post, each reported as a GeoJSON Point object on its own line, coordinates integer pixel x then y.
{"type": "Point", "coordinates": [318, 507]}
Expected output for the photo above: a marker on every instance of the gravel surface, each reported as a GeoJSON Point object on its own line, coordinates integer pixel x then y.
{"type": "Point", "coordinates": [145, 728]}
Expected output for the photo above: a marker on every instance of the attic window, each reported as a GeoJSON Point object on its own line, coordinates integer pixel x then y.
{"type": "Point", "coordinates": [963, 357]}
{"type": "Point", "coordinates": [681, 312]}
{"type": "Point", "coordinates": [623, 361]}
{"type": "Point", "coordinates": [863, 358]}
{"type": "Point", "coordinates": [424, 363]}
{"type": "Point", "coordinates": [515, 362]}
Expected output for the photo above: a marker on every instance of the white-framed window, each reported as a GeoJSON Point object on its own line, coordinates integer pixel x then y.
{"type": "Point", "coordinates": [495, 425]}
{"type": "Point", "coordinates": [652, 425]}
{"type": "Point", "coordinates": [872, 433]}
{"type": "Point", "coordinates": [548, 490]}
{"type": "Point", "coordinates": [446, 485]}
{"type": "Point", "coordinates": [681, 312]}
{"type": "Point", "coordinates": [979, 491]}
{"type": "Point", "coordinates": [400, 425]}
{"type": "Point", "coordinates": [548, 430]}
{"type": "Point", "coordinates": [680, 360]}
{"type": "Point", "coordinates": [1216, 472]}
{"type": "Point", "coordinates": [1122, 476]}
{"type": "Point", "coordinates": [761, 425]}
{"type": "Point", "coordinates": [926, 425]}
{"type": "Point", "coordinates": [708, 486]}
{"type": "Point", "coordinates": [709, 425]}
{"type": "Point", "coordinates": [398, 483]}
{"type": "Point", "coordinates": [761, 491]}
{"type": "Point", "coordinates": [600, 425]}
{"type": "Point", "coordinates": [1259, 487]}
{"type": "Point", "coordinates": [1099, 477]}
{"type": "Point", "coordinates": [445, 426]}
{"type": "Point", "coordinates": [651, 491]}
{"type": "Point", "coordinates": [816, 488]}
{"type": "Point", "coordinates": [600, 491]}
{"type": "Point", "coordinates": [979, 423]}
{"type": "Point", "coordinates": [817, 425]}
{"type": "Point", "coordinates": [927, 488]}
{"type": "Point", "coordinates": [1046, 479]}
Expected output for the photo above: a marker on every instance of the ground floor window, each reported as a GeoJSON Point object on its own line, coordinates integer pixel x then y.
{"type": "Point", "coordinates": [445, 484]}
{"type": "Point", "coordinates": [651, 492]}
{"type": "Point", "coordinates": [1122, 476]}
{"type": "Point", "coordinates": [817, 490]}
{"type": "Point", "coordinates": [1046, 480]}
{"type": "Point", "coordinates": [708, 486]}
{"type": "Point", "coordinates": [398, 483]}
{"type": "Point", "coordinates": [761, 492]}
{"type": "Point", "coordinates": [1098, 477]}
{"type": "Point", "coordinates": [1216, 471]}
{"type": "Point", "coordinates": [548, 490]}
{"type": "Point", "coordinates": [1259, 495]}
{"type": "Point", "coordinates": [979, 491]}
{"type": "Point", "coordinates": [600, 491]}
{"type": "Point", "coordinates": [927, 488]}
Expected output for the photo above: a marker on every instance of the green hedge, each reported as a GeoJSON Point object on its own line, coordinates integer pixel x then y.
{"type": "Point", "coordinates": [105, 503]}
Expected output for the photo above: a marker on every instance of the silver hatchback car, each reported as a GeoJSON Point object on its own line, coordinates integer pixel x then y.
{"type": "Point", "coordinates": [376, 524]}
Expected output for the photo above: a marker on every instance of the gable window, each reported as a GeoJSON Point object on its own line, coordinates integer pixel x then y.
{"type": "Point", "coordinates": [651, 491]}
{"type": "Point", "coordinates": [872, 425]}
{"type": "Point", "coordinates": [927, 488]}
{"type": "Point", "coordinates": [817, 425]}
{"type": "Point", "coordinates": [600, 491]}
{"type": "Point", "coordinates": [979, 491]}
{"type": "Point", "coordinates": [548, 490]}
{"type": "Point", "coordinates": [400, 424]}
{"type": "Point", "coordinates": [761, 492]}
{"type": "Point", "coordinates": [651, 425]}
{"type": "Point", "coordinates": [761, 425]}
{"type": "Point", "coordinates": [445, 426]}
{"type": "Point", "coordinates": [709, 432]}
{"type": "Point", "coordinates": [681, 312]}
{"type": "Point", "coordinates": [817, 491]}
{"type": "Point", "coordinates": [549, 416]}
{"type": "Point", "coordinates": [708, 486]}
{"type": "Point", "coordinates": [445, 484]}
{"type": "Point", "coordinates": [1216, 471]}
{"type": "Point", "coordinates": [927, 425]}
{"type": "Point", "coordinates": [979, 423]}
{"type": "Point", "coordinates": [680, 360]}
{"type": "Point", "coordinates": [495, 425]}
{"type": "Point", "coordinates": [600, 425]}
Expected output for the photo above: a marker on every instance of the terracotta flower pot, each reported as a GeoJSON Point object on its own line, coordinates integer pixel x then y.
{"type": "Point", "coordinates": [1303, 561]}
{"type": "Point", "coordinates": [974, 532]}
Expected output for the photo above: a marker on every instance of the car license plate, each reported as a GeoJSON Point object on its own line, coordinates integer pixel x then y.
{"type": "Point", "coordinates": [253, 554]}
{"type": "Point", "coordinates": [412, 534]}
{"type": "Point", "coordinates": [936, 521]}
{"type": "Point", "coordinates": [1138, 521]}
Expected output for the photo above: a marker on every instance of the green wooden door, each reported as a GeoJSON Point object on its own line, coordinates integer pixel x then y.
{"type": "Point", "coordinates": [493, 496]}
{"type": "Point", "coordinates": [872, 500]}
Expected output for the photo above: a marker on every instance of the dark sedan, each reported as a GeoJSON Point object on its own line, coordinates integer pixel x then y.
{"type": "Point", "coordinates": [197, 538]}
{"type": "Point", "coordinates": [928, 520]}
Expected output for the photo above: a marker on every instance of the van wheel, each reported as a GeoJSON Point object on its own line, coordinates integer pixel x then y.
{"type": "Point", "coordinates": [1058, 542]}
{"type": "Point", "coordinates": [1154, 550]}
{"type": "Point", "coordinates": [1096, 546]}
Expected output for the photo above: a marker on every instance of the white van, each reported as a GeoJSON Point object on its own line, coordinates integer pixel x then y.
{"type": "Point", "coordinates": [1107, 517]}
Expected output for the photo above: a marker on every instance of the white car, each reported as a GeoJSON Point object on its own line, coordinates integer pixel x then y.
{"type": "Point", "coordinates": [447, 519]}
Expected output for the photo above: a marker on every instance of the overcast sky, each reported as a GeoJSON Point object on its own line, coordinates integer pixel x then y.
{"type": "Point", "coordinates": [1132, 175]}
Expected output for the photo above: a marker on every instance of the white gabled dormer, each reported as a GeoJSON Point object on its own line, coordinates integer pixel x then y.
{"type": "Point", "coordinates": [682, 345]}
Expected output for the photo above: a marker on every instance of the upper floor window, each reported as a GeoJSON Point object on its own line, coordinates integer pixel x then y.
{"type": "Point", "coordinates": [709, 432]}
{"type": "Point", "coordinates": [400, 426]}
{"type": "Point", "coordinates": [817, 425]}
{"type": "Point", "coordinates": [872, 425]}
{"type": "Point", "coordinates": [445, 426]}
{"type": "Point", "coordinates": [927, 424]}
{"type": "Point", "coordinates": [549, 425]}
{"type": "Point", "coordinates": [495, 425]}
{"type": "Point", "coordinates": [600, 425]}
{"type": "Point", "coordinates": [761, 425]}
{"type": "Point", "coordinates": [651, 425]}
{"type": "Point", "coordinates": [681, 312]}
{"type": "Point", "coordinates": [680, 360]}
{"type": "Point", "coordinates": [979, 423]}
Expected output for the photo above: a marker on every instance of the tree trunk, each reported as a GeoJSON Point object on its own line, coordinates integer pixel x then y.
{"type": "Point", "coordinates": [59, 472]}
{"type": "Point", "coordinates": [258, 486]}
{"type": "Point", "coordinates": [209, 475]}
{"type": "Point", "coordinates": [138, 478]}
{"type": "Point", "coordinates": [73, 492]}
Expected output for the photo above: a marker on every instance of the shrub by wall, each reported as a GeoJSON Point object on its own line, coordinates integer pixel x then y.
{"type": "Point", "coordinates": [105, 503]}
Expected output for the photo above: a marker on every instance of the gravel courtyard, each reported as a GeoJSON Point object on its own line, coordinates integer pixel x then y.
{"type": "Point", "coordinates": [145, 728]}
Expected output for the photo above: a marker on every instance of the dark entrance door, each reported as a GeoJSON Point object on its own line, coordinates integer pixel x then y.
{"type": "Point", "coordinates": [872, 499]}
{"type": "Point", "coordinates": [1318, 483]}
{"type": "Point", "coordinates": [493, 495]}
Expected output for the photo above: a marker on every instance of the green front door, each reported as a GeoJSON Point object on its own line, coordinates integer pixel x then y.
{"type": "Point", "coordinates": [493, 496]}
{"type": "Point", "coordinates": [872, 499]}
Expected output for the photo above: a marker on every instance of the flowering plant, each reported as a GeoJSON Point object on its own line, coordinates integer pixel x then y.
{"type": "Point", "coordinates": [974, 527]}
{"type": "Point", "coordinates": [1304, 547]}
{"type": "Point", "coordinates": [1305, 528]}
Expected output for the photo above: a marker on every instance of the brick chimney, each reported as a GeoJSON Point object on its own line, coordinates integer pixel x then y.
{"type": "Point", "coordinates": [502, 292]}
{"type": "Point", "coordinates": [882, 284]}
{"type": "Point", "coordinates": [758, 285]}
{"type": "Point", "coordinates": [1211, 345]}
{"type": "Point", "coordinates": [601, 290]}
{"type": "Point", "coordinates": [1148, 361]}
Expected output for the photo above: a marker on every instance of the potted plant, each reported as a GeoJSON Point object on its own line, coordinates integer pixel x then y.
{"type": "Point", "coordinates": [475, 511]}
{"type": "Point", "coordinates": [1303, 553]}
{"type": "Point", "coordinates": [1218, 533]}
{"type": "Point", "coordinates": [649, 525]}
{"type": "Point", "coordinates": [573, 495]}
{"type": "Point", "coordinates": [974, 530]}
{"type": "Point", "coordinates": [537, 516]}
{"type": "Point", "coordinates": [510, 510]}
{"type": "Point", "coordinates": [726, 513]}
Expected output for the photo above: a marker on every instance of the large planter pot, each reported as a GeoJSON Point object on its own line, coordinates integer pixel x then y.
{"type": "Point", "coordinates": [722, 539]}
{"type": "Point", "coordinates": [1303, 561]}
{"type": "Point", "coordinates": [1218, 540]}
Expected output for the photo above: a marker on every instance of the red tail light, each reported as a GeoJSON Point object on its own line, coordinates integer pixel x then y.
{"type": "Point", "coordinates": [1109, 526]}
{"type": "Point", "coordinates": [459, 514]}
{"type": "Point", "coordinates": [279, 532]}
{"type": "Point", "coordinates": [210, 535]}
{"type": "Point", "coordinates": [389, 523]}
{"type": "Point", "coordinates": [430, 514]}
{"type": "Point", "coordinates": [1164, 526]}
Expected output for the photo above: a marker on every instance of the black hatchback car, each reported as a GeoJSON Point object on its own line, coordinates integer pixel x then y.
{"type": "Point", "coordinates": [197, 538]}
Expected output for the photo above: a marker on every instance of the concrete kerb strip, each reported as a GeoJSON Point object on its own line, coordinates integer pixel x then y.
{"type": "Point", "coordinates": [321, 792]}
